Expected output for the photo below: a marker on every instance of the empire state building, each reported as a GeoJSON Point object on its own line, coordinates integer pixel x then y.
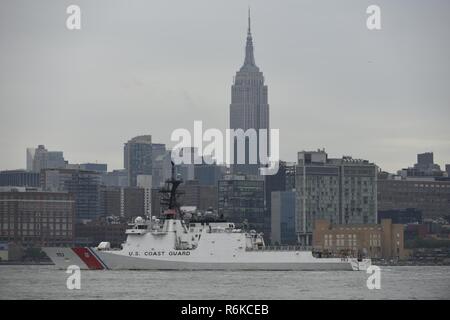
{"type": "Point", "coordinates": [249, 108]}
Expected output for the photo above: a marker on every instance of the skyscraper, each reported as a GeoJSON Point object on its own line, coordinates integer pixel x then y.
{"type": "Point", "coordinates": [40, 158]}
{"type": "Point", "coordinates": [161, 164]}
{"type": "Point", "coordinates": [283, 217]}
{"type": "Point", "coordinates": [138, 158]}
{"type": "Point", "coordinates": [84, 185]}
{"type": "Point", "coordinates": [249, 108]}
{"type": "Point", "coordinates": [241, 198]}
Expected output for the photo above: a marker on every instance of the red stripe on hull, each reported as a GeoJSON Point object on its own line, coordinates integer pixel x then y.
{"type": "Point", "coordinates": [88, 258]}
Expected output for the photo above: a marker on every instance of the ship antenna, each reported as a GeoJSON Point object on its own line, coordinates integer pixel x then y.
{"type": "Point", "coordinates": [170, 194]}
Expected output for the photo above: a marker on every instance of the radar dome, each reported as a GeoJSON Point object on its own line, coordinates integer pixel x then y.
{"type": "Point", "coordinates": [138, 220]}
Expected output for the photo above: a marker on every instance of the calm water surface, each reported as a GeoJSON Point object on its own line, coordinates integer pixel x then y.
{"type": "Point", "coordinates": [46, 282]}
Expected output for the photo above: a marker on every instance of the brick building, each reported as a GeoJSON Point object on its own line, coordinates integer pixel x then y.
{"type": "Point", "coordinates": [37, 218]}
{"type": "Point", "coordinates": [384, 240]}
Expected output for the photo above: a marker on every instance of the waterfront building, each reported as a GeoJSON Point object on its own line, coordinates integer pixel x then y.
{"type": "Point", "coordinates": [401, 216]}
{"type": "Point", "coordinates": [36, 218]}
{"type": "Point", "coordinates": [384, 240]}
{"type": "Point", "coordinates": [428, 195]}
{"type": "Point", "coordinates": [91, 233]}
{"type": "Point", "coordinates": [272, 183]}
{"type": "Point", "coordinates": [283, 218]}
{"type": "Point", "coordinates": [341, 191]}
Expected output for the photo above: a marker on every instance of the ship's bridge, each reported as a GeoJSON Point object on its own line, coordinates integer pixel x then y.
{"type": "Point", "coordinates": [139, 227]}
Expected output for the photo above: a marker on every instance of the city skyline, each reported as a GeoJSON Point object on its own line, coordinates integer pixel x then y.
{"type": "Point", "coordinates": [322, 91]}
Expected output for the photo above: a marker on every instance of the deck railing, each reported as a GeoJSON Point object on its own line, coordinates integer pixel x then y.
{"type": "Point", "coordinates": [281, 248]}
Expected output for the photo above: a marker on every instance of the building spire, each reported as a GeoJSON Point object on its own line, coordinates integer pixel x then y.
{"type": "Point", "coordinates": [249, 57]}
{"type": "Point", "coordinates": [249, 32]}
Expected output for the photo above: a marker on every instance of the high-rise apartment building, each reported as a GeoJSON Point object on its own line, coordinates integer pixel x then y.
{"type": "Point", "coordinates": [138, 158]}
{"type": "Point", "coordinates": [283, 218]}
{"type": "Point", "coordinates": [241, 198]}
{"type": "Point", "coordinates": [341, 191]}
{"type": "Point", "coordinates": [84, 185]}
{"type": "Point", "coordinates": [145, 183]}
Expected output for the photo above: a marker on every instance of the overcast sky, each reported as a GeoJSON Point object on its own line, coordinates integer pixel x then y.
{"type": "Point", "coordinates": [149, 67]}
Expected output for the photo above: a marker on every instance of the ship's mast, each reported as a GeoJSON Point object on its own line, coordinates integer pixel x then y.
{"type": "Point", "coordinates": [169, 196]}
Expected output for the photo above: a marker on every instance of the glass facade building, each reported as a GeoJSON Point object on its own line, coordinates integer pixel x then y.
{"type": "Point", "coordinates": [138, 158]}
{"type": "Point", "coordinates": [240, 199]}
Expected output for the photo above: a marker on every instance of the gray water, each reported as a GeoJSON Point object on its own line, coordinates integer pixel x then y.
{"type": "Point", "coordinates": [46, 282]}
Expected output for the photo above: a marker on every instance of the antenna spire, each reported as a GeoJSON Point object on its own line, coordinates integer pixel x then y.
{"type": "Point", "coordinates": [249, 57]}
{"type": "Point", "coordinates": [249, 22]}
